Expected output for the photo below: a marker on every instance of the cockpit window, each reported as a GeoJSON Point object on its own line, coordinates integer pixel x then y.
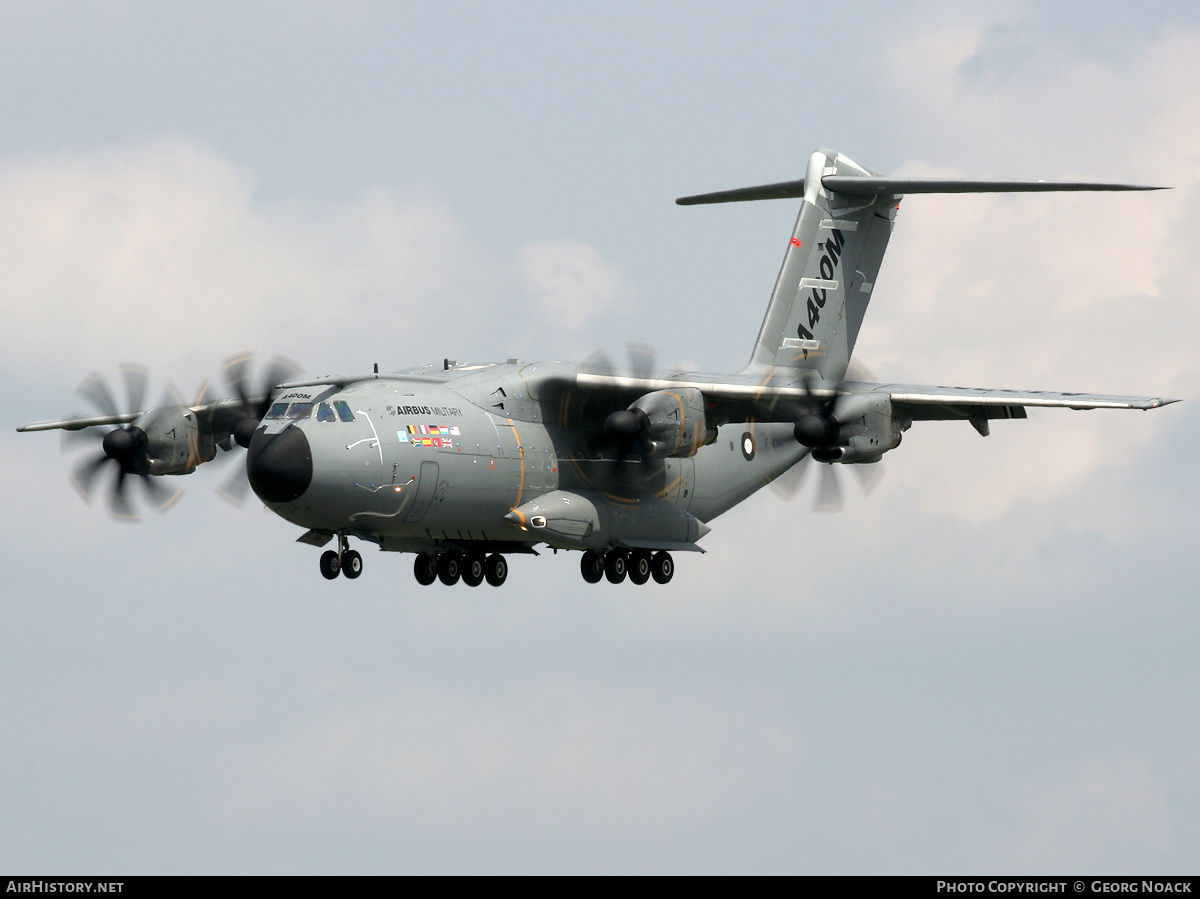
{"type": "Point", "coordinates": [300, 410]}
{"type": "Point", "coordinates": [324, 413]}
{"type": "Point", "coordinates": [276, 411]}
{"type": "Point", "coordinates": [343, 410]}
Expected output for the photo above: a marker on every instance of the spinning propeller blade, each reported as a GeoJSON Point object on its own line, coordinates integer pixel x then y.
{"type": "Point", "coordinates": [253, 405]}
{"type": "Point", "coordinates": [122, 448]}
{"type": "Point", "coordinates": [818, 418]}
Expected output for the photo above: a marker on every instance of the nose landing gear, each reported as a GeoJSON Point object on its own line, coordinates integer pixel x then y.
{"type": "Point", "coordinates": [345, 561]}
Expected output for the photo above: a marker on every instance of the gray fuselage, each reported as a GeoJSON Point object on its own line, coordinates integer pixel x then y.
{"type": "Point", "coordinates": [431, 457]}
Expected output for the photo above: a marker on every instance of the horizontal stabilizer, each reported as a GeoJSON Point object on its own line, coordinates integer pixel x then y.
{"type": "Point", "coordinates": [784, 190]}
{"type": "Point", "coordinates": [878, 185]}
{"type": "Point", "coordinates": [851, 184]}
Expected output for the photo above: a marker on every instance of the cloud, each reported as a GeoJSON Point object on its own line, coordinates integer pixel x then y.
{"type": "Point", "coordinates": [1105, 815]}
{"type": "Point", "coordinates": [160, 250]}
{"type": "Point", "coordinates": [571, 282]}
{"type": "Point", "coordinates": [1074, 292]}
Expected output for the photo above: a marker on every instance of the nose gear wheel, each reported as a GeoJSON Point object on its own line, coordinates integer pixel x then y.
{"type": "Point", "coordinates": [351, 564]}
{"type": "Point", "coordinates": [330, 565]}
{"type": "Point", "coordinates": [341, 561]}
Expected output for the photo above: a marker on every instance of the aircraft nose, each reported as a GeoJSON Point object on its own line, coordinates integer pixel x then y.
{"type": "Point", "coordinates": [280, 465]}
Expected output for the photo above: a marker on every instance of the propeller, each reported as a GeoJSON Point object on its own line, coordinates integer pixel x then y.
{"type": "Point", "coordinates": [818, 419]}
{"type": "Point", "coordinates": [123, 448]}
{"type": "Point", "coordinates": [252, 404]}
{"type": "Point", "coordinates": [626, 430]}
{"type": "Point", "coordinates": [626, 433]}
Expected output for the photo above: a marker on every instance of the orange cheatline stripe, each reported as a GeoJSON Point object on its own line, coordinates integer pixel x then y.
{"type": "Point", "coordinates": [671, 486]}
{"type": "Point", "coordinates": [521, 453]}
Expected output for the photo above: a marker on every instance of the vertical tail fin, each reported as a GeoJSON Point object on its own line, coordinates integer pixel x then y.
{"type": "Point", "coordinates": [828, 273]}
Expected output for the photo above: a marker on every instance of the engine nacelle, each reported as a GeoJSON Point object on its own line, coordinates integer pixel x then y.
{"type": "Point", "coordinates": [870, 435]}
{"type": "Point", "coordinates": [677, 425]}
{"type": "Point", "coordinates": [175, 443]}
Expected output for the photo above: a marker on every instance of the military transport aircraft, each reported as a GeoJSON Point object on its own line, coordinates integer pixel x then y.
{"type": "Point", "coordinates": [462, 464]}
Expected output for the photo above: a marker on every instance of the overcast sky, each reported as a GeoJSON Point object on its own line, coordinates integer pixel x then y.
{"type": "Point", "coordinates": [987, 665]}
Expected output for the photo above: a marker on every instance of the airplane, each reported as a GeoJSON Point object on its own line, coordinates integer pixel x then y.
{"type": "Point", "coordinates": [465, 464]}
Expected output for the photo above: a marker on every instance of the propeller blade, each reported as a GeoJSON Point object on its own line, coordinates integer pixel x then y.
{"type": "Point", "coordinates": [161, 497]}
{"type": "Point", "coordinates": [829, 491]}
{"type": "Point", "coordinates": [96, 391]}
{"type": "Point", "coordinates": [598, 363]}
{"type": "Point", "coordinates": [641, 359]}
{"type": "Point", "coordinates": [869, 476]}
{"type": "Point", "coordinates": [205, 394]}
{"type": "Point", "coordinates": [279, 370]}
{"type": "Point", "coordinates": [73, 439]}
{"type": "Point", "coordinates": [136, 377]}
{"type": "Point", "coordinates": [237, 374]}
{"type": "Point", "coordinates": [788, 484]}
{"type": "Point", "coordinates": [856, 371]}
{"type": "Point", "coordinates": [83, 478]}
{"type": "Point", "coordinates": [118, 502]}
{"type": "Point", "coordinates": [235, 489]}
{"type": "Point", "coordinates": [236, 371]}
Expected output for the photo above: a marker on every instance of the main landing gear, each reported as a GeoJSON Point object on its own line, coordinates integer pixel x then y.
{"type": "Point", "coordinates": [617, 564]}
{"type": "Point", "coordinates": [472, 568]}
{"type": "Point", "coordinates": [346, 561]}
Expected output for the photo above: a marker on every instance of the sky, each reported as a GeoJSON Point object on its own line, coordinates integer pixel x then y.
{"type": "Point", "coordinates": [986, 665]}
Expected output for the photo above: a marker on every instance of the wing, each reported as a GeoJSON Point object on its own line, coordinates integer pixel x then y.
{"type": "Point", "coordinates": [929, 403]}
{"type": "Point", "coordinates": [743, 399]}
{"type": "Point", "coordinates": [216, 416]}
{"type": "Point", "coordinates": [80, 422]}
